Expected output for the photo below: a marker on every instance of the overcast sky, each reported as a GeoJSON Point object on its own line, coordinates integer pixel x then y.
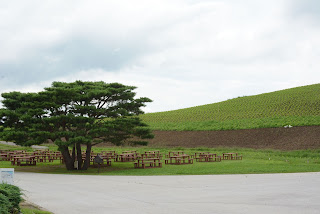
{"type": "Point", "coordinates": [179, 53]}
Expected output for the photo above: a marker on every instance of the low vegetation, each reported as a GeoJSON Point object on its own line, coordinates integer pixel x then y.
{"type": "Point", "coordinates": [296, 106]}
{"type": "Point", "coordinates": [10, 198]}
{"type": "Point", "coordinates": [254, 161]}
{"type": "Point", "coordinates": [33, 210]}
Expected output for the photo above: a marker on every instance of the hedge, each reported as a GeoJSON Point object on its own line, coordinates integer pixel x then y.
{"type": "Point", "coordinates": [10, 198]}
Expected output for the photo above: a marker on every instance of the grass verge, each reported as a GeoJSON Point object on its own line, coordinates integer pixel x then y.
{"type": "Point", "coordinates": [28, 208]}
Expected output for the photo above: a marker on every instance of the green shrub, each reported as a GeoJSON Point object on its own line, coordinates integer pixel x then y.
{"type": "Point", "coordinates": [4, 204]}
{"type": "Point", "coordinates": [13, 198]}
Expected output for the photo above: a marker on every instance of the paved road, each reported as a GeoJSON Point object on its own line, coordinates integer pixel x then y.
{"type": "Point", "coordinates": [270, 193]}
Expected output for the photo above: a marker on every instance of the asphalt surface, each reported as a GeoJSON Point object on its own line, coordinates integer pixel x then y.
{"type": "Point", "coordinates": [268, 193]}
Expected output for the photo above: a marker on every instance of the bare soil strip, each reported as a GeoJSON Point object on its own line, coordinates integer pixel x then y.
{"type": "Point", "coordinates": [295, 138]}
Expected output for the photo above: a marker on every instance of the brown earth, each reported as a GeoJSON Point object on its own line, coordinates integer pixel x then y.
{"type": "Point", "coordinates": [295, 138]}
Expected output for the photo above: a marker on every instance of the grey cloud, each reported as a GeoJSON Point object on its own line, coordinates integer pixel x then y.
{"type": "Point", "coordinates": [69, 57]}
{"type": "Point", "coordinates": [305, 7]}
{"type": "Point", "coordinates": [80, 54]}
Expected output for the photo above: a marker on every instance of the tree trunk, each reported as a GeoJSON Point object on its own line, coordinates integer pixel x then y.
{"type": "Point", "coordinates": [79, 156]}
{"type": "Point", "coordinates": [68, 160]}
{"type": "Point", "coordinates": [74, 153]}
{"type": "Point", "coordinates": [86, 163]}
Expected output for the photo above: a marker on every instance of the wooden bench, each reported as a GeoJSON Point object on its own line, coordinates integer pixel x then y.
{"type": "Point", "coordinates": [148, 163]}
{"type": "Point", "coordinates": [44, 158]}
{"type": "Point", "coordinates": [106, 162]}
{"type": "Point", "coordinates": [24, 161]}
{"type": "Point", "coordinates": [201, 159]}
{"type": "Point", "coordinates": [145, 164]}
{"type": "Point", "coordinates": [179, 160]}
{"type": "Point", "coordinates": [237, 157]}
{"type": "Point", "coordinates": [4, 157]}
{"type": "Point", "coordinates": [214, 159]}
{"type": "Point", "coordinates": [176, 161]}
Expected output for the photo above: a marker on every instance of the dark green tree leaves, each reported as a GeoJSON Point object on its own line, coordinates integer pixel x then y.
{"type": "Point", "coordinates": [74, 114]}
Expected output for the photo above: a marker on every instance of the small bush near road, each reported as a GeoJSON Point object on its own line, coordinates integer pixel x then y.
{"type": "Point", "coordinates": [4, 204]}
{"type": "Point", "coordinates": [10, 198]}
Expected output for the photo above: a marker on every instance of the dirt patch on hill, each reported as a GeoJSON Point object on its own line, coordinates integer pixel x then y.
{"type": "Point", "coordinates": [295, 138]}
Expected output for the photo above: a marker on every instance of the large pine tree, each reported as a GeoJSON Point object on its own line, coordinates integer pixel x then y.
{"type": "Point", "coordinates": [74, 114]}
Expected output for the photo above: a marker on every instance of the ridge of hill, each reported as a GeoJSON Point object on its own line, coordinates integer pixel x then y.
{"type": "Point", "coordinates": [298, 106]}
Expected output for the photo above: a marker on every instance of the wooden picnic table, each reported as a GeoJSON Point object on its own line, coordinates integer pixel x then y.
{"type": "Point", "coordinates": [109, 155]}
{"type": "Point", "coordinates": [128, 152]}
{"type": "Point", "coordinates": [40, 151]}
{"type": "Point", "coordinates": [108, 152]}
{"type": "Point", "coordinates": [44, 158]}
{"type": "Point", "coordinates": [179, 159]}
{"type": "Point", "coordinates": [127, 157]}
{"type": "Point", "coordinates": [106, 161]}
{"type": "Point", "coordinates": [208, 157]}
{"type": "Point", "coordinates": [151, 155]}
{"type": "Point", "coordinates": [152, 152]}
{"type": "Point", "coordinates": [24, 161]}
{"type": "Point", "coordinates": [148, 163]}
{"type": "Point", "coordinates": [180, 152]}
{"type": "Point", "coordinates": [19, 152]}
{"type": "Point", "coordinates": [197, 154]}
{"type": "Point", "coordinates": [12, 156]}
{"type": "Point", "coordinates": [171, 154]}
{"type": "Point", "coordinates": [227, 156]}
{"type": "Point", "coordinates": [114, 157]}
{"type": "Point", "coordinates": [231, 156]}
{"type": "Point", "coordinates": [54, 155]}
{"type": "Point", "coordinates": [4, 156]}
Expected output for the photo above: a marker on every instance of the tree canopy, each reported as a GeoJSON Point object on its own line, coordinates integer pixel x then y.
{"type": "Point", "coordinates": [74, 114]}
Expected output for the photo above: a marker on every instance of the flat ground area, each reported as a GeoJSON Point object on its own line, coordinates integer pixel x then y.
{"type": "Point", "coordinates": [262, 193]}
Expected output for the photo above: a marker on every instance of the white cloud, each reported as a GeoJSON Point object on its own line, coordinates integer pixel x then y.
{"type": "Point", "coordinates": [180, 53]}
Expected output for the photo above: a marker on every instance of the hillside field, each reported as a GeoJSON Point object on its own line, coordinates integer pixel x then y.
{"type": "Point", "coordinates": [296, 106]}
{"type": "Point", "coordinates": [248, 122]}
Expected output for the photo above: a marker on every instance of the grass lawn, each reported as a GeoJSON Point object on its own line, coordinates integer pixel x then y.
{"type": "Point", "coordinates": [254, 161]}
{"type": "Point", "coordinates": [27, 208]}
{"type": "Point", "coordinates": [33, 211]}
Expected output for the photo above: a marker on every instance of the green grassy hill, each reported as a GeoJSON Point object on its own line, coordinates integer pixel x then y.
{"type": "Point", "coordinates": [296, 106]}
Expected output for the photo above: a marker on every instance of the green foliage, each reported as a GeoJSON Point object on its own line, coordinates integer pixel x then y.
{"type": "Point", "coordinates": [296, 106]}
{"type": "Point", "coordinates": [33, 211]}
{"type": "Point", "coordinates": [10, 198]}
{"type": "Point", "coordinates": [4, 204]}
{"type": "Point", "coordinates": [69, 111]}
{"type": "Point", "coordinates": [73, 114]}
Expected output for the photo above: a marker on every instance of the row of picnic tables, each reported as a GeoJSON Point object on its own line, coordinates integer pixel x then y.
{"type": "Point", "coordinates": [23, 158]}
{"type": "Point", "coordinates": [148, 159]}
{"type": "Point", "coordinates": [151, 159]}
